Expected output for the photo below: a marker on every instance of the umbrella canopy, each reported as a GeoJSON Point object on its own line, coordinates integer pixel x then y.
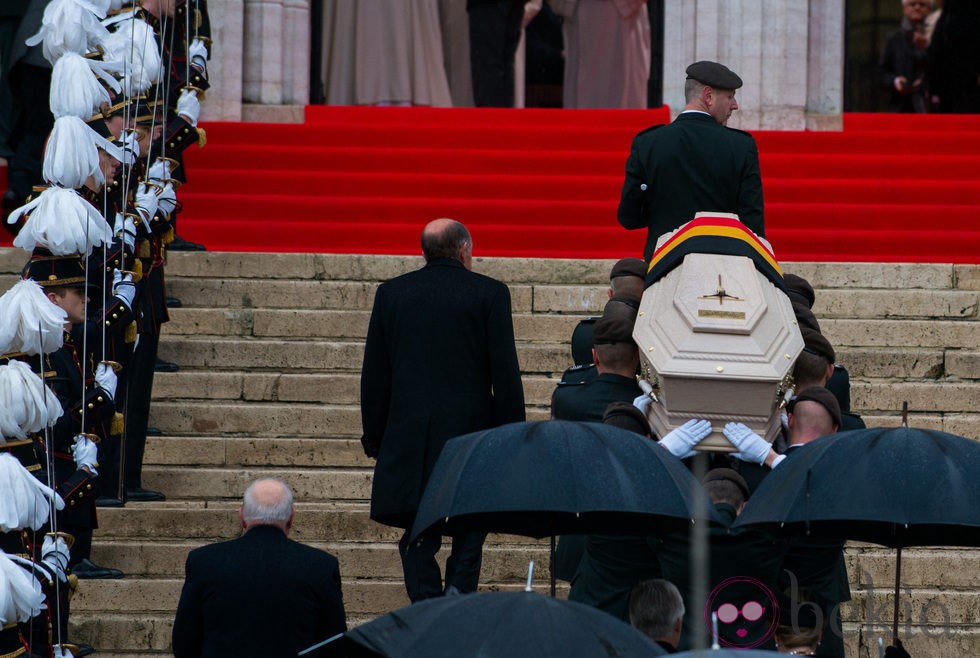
{"type": "Point", "coordinates": [552, 477]}
{"type": "Point", "coordinates": [728, 653]}
{"type": "Point", "coordinates": [891, 486]}
{"type": "Point", "coordinates": [505, 624]}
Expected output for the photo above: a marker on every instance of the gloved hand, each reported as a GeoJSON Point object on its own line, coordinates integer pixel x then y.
{"type": "Point", "coordinates": [61, 652]}
{"type": "Point", "coordinates": [189, 107]}
{"type": "Point", "coordinates": [85, 453]}
{"type": "Point", "coordinates": [125, 228]}
{"type": "Point", "coordinates": [198, 55]}
{"type": "Point", "coordinates": [682, 440]}
{"type": "Point", "coordinates": [897, 651]}
{"type": "Point", "coordinates": [131, 142]}
{"type": "Point", "coordinates": [751, 447]}
{"type": "Point", "coordinates": [146, 203]}
{"type": "Point", "coordinates": [54, 553]}
{"type": "Point", "coordinates": [643, 402]}
{"type": "Point", "coordinates": [105, 377]}
{"type": "Point", "coordinates": [159, 171]}
{"type": "Point", "coordinates": [167, 199]}
{"type": "Point", "coordinates": [124, 288]}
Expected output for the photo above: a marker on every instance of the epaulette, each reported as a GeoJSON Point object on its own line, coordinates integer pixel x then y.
{"type": "Point", "coordinates": [578, 375]}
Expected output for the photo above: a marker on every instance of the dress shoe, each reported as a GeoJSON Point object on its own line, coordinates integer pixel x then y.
{"type": "Point", "coordinates": [173, 302]}
{"type": "Point", "coordinates": [86, 569]}
{"type": "Point", "coordinates": [165, 366]}
{"type": "Point", "coordinates": [83, 650]}
{"type": "Point", "coordinates": [180, 244]}
{"type": "Point", "coordinates": [108, 501]}
{"type": "Point", "coordinates": [142, 495]}
{"type": "Point", "coordinates": [154, 431]}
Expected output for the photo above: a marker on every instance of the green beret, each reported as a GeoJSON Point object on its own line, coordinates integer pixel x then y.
{"type": "Point", "coordinates": [714, 75]}
{"type": "Point", "coordinates": [815, 343]}
{"type": "Point", "coordinates": [616, 323]}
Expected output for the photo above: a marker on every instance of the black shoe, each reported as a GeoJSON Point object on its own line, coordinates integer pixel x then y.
{"type": "Point", "coordinates": [173, 302]}
{"type": "Point", "coordinates": [154, 431]}
{"type": "Point", "coordinates": [86, 569]}
{"type": "Point", "coordinates": [165, 366]}
{"type": "Point", "coordinates": [107, 501]}
{"type": "Point", "coordinates": [180, 244]}
{"type": "Point", "coordinates": [141, 495]}
{"type": "Point", "coordinates": [83, 650]}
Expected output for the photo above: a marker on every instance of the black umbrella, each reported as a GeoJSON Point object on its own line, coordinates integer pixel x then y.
{"type": "Point", "coordinates": [546, 478]}
{"type": "Point", "coordinates": [505, 624]}
{"type": "Point", "coordinates": [892, 486]}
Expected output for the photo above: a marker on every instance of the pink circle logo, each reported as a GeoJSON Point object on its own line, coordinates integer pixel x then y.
{"type": "Point", "coordinates": [747, 611]}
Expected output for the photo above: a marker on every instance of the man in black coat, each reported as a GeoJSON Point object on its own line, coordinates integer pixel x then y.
{"type": "Point", "coordinates": [695, 164]}
{"type": "Point", "coordinates": [439, 362]}
{"type": "Point", "coordinates": [261, 594]}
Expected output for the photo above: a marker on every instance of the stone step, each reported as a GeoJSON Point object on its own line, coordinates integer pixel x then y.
{"type": "Point", "coordinates": [323, 387]}
{"type": "Point", "coordinates": [322, 484]}
{"type": "Point", "coordinates": [299, 355]}
{"type": "Point", "coordinates": [266, 419]}
{"type": "Point", "coordinates": [338, 324]}
{"type": "Point", "coordinates": [240, 451]}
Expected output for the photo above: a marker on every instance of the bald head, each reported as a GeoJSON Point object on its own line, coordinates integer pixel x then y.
{"type": "Point", "coordinates": [447, 238]}
{"type": "Point", "coordinates": [809, 420]}
{"type": "Point", "coordinates": [267, 502]}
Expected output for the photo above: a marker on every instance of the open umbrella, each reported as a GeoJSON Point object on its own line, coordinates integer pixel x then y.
{"type": "Point", "coordinates": [546, 478]}
{"type": "Point", "coordinates": [892, 486]}
{"type": "Point", "coordinates": [504, 624]}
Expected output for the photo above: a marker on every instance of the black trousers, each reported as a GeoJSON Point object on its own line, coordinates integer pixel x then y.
{"type": "Point", "coordinates": [141, 369]}
{"type": "Point", "coordinates": [30, 126]}
{"type": "Point", "coordinates": [495, 31]}
{"type": "Point", "coordinates": [423, 580]}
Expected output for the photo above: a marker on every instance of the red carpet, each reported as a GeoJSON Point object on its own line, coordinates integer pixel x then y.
{"type": "Point", "coordinates": [889, 188]}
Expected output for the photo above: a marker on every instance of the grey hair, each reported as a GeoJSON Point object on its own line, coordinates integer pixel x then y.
{"type": "Point", "coordinates": [692, 89]}
{"type": "Point", "coordinates": [655, 606]}
{"type": "Point", "coordinates": [256, 512]}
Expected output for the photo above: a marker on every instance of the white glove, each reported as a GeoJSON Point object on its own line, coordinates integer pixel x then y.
{"type": "Point", "coordinates": [61, 652]}
{"type": "Point", "coordinates": [125, 228]}
{"type": "Point", "coordinates": [167, 200]}
{"type": "Point", "coordinates": [197, 53]}
{"type": "Point", "coordinates": [124, 288]}
{"type": "Point", "coordinates": [131, 142]}
{"type": "Point", "coordinates": [105, 377]}
{"type": "Point", "coordinates": [189, 107]}
{"type": "Point", "coordinates": [643, 402]}
{"type": "Point", "coordinates": [751, 447]}
{"type": "Point", "coordinates": [146, 203]}
{"type": "Point", "coordinates": [682, 440]}
{"type": "Point", "coordinates": [159, 171]}
{"type": "Point", "coordinates": [54, 553]}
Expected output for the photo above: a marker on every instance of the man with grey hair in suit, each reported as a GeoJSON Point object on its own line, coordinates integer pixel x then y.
{"type": "Point", "coordinates": [261, 594]}
{"type": "Point", "coordinates": [657, 611]}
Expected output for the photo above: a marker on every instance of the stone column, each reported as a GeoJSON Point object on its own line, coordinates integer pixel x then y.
{"type": "Point", "coordinates": [224, 98]}
{"type": "Point", "coordinates": [277, 56]}
{"type": "Point", "coordinates": [787, 52]}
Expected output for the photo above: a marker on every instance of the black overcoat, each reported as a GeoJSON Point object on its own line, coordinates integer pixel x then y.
{"type": "Point", "coordinates": [439, 362]}
{"type": "Point", "coordinates": [259, 595]}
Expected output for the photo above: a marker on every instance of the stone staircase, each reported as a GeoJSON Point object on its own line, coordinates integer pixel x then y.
{"type": "Point", "coordinates": [270, 349]}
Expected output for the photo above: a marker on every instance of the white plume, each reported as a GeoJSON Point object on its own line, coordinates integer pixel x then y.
{"type": "Point", "coordinates": [71, 156]}
{"type": "Point", "coordinates": [134, 43]}
{"type": "Point", "coordinates": [75, 88]}
{"type": "Point", "coordinates": [25, 311]}
{"type": "Point", "coordinates": [63, 222]}
{"type": "Point", "coordinates": [69, 26]}
{"type": "Point", "coordinates": [29, 404]}
{"type": "Point", "coordinates": [28, 504]}
{"type": "Point", "coordinates": [20, 593]}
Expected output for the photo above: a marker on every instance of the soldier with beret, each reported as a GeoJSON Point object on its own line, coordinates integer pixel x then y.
{"type": "Point", "coordinates": [627, 277]}
{"type": "Point", "coordinates": [694, 164]}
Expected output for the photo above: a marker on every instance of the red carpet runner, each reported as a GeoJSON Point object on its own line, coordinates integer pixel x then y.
{"type": "Point", "coordinates": [889, 188]}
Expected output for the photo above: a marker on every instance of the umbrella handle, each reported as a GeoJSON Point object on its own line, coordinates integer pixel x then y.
{"type": "Point", "coordinates": [898, 576]}
{"type": "Point", "coordinates": [552, 566]}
